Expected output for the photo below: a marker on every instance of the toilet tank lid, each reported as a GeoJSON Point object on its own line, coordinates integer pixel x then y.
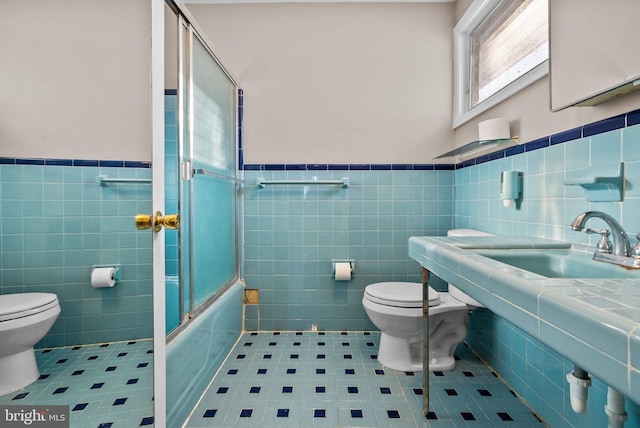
{"type": "Point", "coordinates": [408, 293]}
{"type": "Point", "coordinates": [21, 302]}
{"type": "Point", "coordinates": [468, 232]}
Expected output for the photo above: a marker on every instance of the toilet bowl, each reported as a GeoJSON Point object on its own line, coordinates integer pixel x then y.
{"type": "Point", "coordinates": [396, 309]}
{"type": "Point", "coordinates": [25, 318]}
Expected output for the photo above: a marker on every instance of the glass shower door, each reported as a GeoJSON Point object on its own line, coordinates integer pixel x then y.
{"type": "Point", "coordinates": [214, 185]}
{"type": "Point", "coordinates": [207, 247]}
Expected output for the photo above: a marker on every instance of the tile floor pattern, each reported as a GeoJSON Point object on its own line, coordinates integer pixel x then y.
{"type": "Point", "coordinates": [108, 385]}
{"type": "Point", "coordinates": [333, 379]}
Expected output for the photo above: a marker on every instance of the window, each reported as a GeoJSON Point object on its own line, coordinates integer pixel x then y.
{"type": "Point", "coordinates": [500, 47]}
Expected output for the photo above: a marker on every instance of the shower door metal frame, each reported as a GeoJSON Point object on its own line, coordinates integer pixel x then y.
{"type": "Point", "coordinates": [184, 84]}
{"type": "Point", "coordinates": [186, 28]}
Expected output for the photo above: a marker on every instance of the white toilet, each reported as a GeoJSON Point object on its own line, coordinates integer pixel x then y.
{"type": "Point", "coordinates": [396, 309]}
{"type": "Point", "coordinates": [25, 318]}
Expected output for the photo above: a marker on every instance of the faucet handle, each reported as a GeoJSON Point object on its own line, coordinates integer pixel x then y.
{"type": "Point", "coordinates": [604, 245]}
{"type": "Point", "coordinates": [635, 252]}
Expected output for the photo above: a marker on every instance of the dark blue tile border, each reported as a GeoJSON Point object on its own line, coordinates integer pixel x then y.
{"type": "Point", "coordinates": [444, 167]}
{"type": "Point", "coordinates": [295, 167]}
{"type": "Point", "coordinates": [348, 167]}
{"type": "Point", "coordinates": [75, 162]}
{"type": "Point", "coordinates": [633, 118]}
{"type": "Point", "coordinates": [111, 163]}
{"type": "Point", "coordinates": [338, 167]}
{"type": "Point", "coordinates": [59, 162]}
{"type": "Point", "coordinates": [274, 167]}
{"type": "Point", "coordinates": [360, 167]}
{"type": "Point", "coordinates": [402, 167]}
{"type": "Point", "coordinates": [540, 143]}
{"type": "Point", "coordinates": [605, 125]}
{"type": "Point", "coordinates": [423, 167]}
{"type": "Point", "coordinates": [515, 150]}
{"type": "Point", "coordinates": [136, 164]}
{"type": "Point", "coordinates": [563, 137]}
{"type": "Point", "coordinates": [318, 167]}
{"type": "Point", "coordinates": [86, 162]}
{"type": "Point", "coordinates": [380, 167]}
{"type": "Point", "coordinates": [240, 125]}
{"type": "Point", "coordinates": [20, 161]}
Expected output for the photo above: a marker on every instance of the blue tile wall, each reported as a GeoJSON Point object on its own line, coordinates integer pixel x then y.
{"type": "Point", "coordinates": [56, 222]}
{"type": "Point", "coordinates": [292, 232]}
{"type": "Point", "coordinates": [547, 208]}
{"type": "Point", "coordinates": [171, 177]}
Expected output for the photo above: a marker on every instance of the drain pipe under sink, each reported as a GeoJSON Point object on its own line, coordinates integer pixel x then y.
{"type": "Point", "coordinates": [579, 382]}
{"type": "Point", "coordinates": [615, 408]}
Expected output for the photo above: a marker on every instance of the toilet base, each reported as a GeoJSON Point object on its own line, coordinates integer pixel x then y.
{"type": "Point", "coordinates": [442, 364]}
{"type": "Point", "coordinates": [400, 353]}
{"type": "Point", "coordinates": [397, 354]}
{"type": "Point", "coordinates": [17, 371]}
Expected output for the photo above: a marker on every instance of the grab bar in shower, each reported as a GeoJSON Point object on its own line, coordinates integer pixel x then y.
{"type": "Point", "coordinates": [104, 180]}
{"type": "Point", "coordinates": [202, 171]}
{"type": "Point", "coordinates": [344, 182]}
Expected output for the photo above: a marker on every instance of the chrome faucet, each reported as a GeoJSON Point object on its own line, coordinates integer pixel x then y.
{"type": "Point", "coordinates": [621, 245]}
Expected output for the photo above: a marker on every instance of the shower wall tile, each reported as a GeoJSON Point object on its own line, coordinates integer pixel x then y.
{"type": "Point", "coordinates": [171, 179]}
{"type": "Point", "coordinates": [55, 223]}
{"type": "Point", "coordinates": [294, 231]}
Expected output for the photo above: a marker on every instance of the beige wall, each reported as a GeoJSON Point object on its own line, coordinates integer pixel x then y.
{"type": "Point", "coordinates": [334, 83]}
{"type": "Point", "coordinates": [529, 110]}
{"type": "Point", "coordinates": [338, 83]}
{"type": "Point", "coordinates": [75, 79]}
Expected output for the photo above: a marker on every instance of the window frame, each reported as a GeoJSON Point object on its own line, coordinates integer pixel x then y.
{"type": "Point", "coordinates": [462, 111]}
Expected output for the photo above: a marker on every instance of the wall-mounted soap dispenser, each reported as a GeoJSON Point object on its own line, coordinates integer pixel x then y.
{"type": "Point", "coordinates": [510, 187]}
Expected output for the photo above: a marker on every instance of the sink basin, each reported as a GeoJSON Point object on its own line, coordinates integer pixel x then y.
{"type": "Point", "coordinates": [558, 263]}
{"type": "Point", "coordinates": [585, 310]}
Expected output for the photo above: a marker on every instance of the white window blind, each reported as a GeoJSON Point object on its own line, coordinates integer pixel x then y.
{"type": "Point", "coordinates": [499, 44]}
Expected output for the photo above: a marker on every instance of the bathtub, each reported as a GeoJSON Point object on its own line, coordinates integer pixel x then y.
{"type": "Point", "coordinates": [196, 354]}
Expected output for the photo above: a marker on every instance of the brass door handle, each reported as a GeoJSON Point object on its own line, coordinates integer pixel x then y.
{"type": "Point", "coordinates": [171, 221]}
{"type": "Point", "coordinates": [156, 221]}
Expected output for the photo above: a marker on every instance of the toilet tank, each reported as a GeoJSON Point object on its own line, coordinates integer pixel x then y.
{"type": "Point", "coordinates": [453, 290]}
{"type": "Point", "coordinates": [468, 232]}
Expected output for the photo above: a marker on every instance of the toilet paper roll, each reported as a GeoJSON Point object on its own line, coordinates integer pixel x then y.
{"type": "Point", "coordinates": [103, 277]}
{"type": "Point", "coordinates": [343, 271]}
{"type": "Point", "coordinates": [494, 129]}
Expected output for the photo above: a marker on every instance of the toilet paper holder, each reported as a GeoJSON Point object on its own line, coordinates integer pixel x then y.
{"type": "Point", "coordinates": [333, 265]}
{"type": "Point", "coordinates": [116, 275]}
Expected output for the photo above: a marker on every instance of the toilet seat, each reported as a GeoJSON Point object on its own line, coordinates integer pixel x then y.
{"type": "Point", "coordinates": [20, 305]}
{"type": "Point", "coordinates": [399, 294]}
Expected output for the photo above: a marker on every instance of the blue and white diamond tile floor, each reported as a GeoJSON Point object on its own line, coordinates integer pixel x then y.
{"type": "Point", "coordinates": [108, 385]}
{"type": "Point", "coordinates": [333, 379]}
